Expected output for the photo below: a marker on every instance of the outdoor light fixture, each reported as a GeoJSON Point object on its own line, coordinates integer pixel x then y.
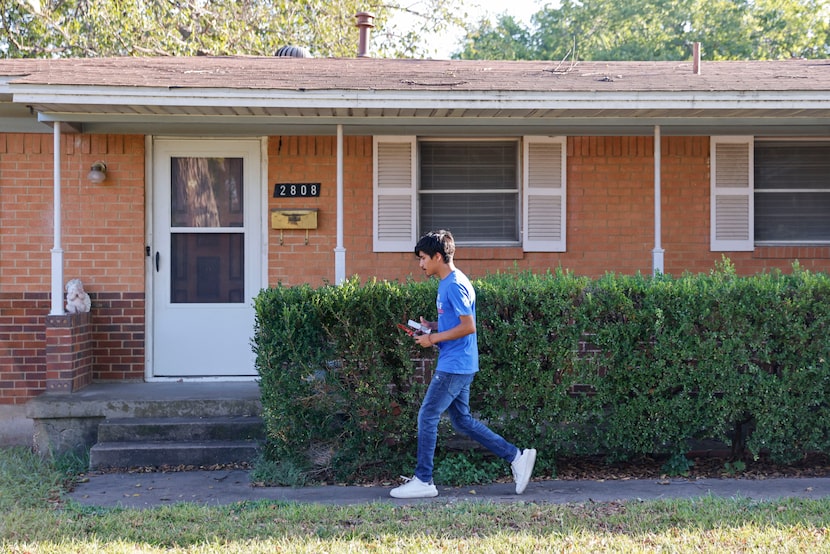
{"type": "Point", "coordinates": [97, 173]}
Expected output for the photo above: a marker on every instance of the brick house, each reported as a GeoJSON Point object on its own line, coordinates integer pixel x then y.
{"type": "Point", "coordinates": [227, 175]}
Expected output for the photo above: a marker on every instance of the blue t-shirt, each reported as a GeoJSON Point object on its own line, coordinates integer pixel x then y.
{"type": "Point", "coordinates": [456, 297]}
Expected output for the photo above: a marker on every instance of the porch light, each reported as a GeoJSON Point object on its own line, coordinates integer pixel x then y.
{"type": "Point", "coordinates": [97, 173]}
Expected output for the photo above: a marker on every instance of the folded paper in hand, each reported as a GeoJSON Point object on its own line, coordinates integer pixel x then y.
{"type": "Point", "coordinates": [418, 327]}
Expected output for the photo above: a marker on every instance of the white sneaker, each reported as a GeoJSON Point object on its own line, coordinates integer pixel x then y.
{"type": "Point", "coordinates": [414, 488]}
{"type": "Point", "coordinates": [522, 468]}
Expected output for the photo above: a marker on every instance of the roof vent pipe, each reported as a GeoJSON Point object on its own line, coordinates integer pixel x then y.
{"type": "Point", "coordinates": [364, 23]}
{"type": "Point", "coordinates": [696, 56]}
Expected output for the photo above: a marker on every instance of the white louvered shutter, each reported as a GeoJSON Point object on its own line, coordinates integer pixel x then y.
{"type": "Point", "coordinates": [394, 211]}
{"type": "Point", "coordinates": [732, 207]}
{"type": "Point", "coordinates": [543, 189]}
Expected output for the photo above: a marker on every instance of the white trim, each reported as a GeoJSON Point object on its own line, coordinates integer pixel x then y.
{"type": "Point", "coordinates": [732, 203]}
{"type": "Point", "coordinates": [432, 99]}
{"type": "Point", "coordinates": [149, 144]}
{"type": "Point", "coordinates": [265, 196]}
{"type": "Point", "coordinates": [548, 194]}
{"type": "Point", "coordinates": [220, 379]}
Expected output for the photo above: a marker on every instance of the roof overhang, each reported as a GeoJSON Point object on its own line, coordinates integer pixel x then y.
{"type": "Point", "coordinates": [398, 108]}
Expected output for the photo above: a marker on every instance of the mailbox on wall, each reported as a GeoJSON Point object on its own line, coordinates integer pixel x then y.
{"type": "Point", "coordinates": [286, 218]}
{"type": "Point", "coordinates": [298, 218]}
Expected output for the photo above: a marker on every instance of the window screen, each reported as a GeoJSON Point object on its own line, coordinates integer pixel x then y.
{"type": "Point", "coordinates": [470, 188]}
{"type": "Point", "coordinates": [792, 191]}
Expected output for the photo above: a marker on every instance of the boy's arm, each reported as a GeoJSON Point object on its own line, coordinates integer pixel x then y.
{"type": "Point", "coordinates": [467, 326]}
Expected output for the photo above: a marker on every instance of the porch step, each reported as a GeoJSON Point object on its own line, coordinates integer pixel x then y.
{"type": "Point", "coordinates": [124, 455]}
{"type": "Point", "coordinates": [180, 428]}
{"type": "Point", "coordinates": [197, 441]}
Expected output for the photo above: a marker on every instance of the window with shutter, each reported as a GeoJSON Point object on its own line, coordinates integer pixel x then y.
{"type": "Point", "coordinates": [488, 192]}
{"type": "Point", "coordinates": [731, 194]}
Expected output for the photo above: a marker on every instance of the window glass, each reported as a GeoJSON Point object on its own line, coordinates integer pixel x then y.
{"type": "Point", "coordinates": [792, 191]}
{"type": "Point", "coordinates": [206, 192]}
{"type": "Point", "coordinates": [470, 188]}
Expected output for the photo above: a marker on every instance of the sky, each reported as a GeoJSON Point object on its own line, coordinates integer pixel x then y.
{"type": "Point", "coordinates": [521, 10]}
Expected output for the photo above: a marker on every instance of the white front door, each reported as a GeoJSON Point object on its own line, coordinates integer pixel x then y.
{"type": "Point", "coordinates": [205, 256]}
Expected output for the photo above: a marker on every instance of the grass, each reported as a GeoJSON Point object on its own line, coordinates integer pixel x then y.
{"type": "Point", "coordinates": [34, 518]}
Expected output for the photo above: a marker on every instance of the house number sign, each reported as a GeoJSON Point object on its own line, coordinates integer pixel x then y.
{"type": "Point", "coordinates": [296, 190]}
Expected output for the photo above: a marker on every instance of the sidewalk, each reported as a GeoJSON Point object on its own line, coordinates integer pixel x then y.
{"type": "Point", "coordinates": [147, 490]}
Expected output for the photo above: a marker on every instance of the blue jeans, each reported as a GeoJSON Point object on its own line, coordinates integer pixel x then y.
{"type": "Point", "coordinates": [450, 392]}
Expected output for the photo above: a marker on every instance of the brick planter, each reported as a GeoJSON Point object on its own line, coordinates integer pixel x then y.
{"type": "Point", "coordinates": [69, 352]}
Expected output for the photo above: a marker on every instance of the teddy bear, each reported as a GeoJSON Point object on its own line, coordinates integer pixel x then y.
{"type": "Point", "coordinates": [77, 300]}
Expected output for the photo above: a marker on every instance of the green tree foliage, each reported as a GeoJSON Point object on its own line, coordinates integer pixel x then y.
{"type": "Point", "coordinates": [94, 28]}
{"type": "Point", "coordinates": [658, 30]}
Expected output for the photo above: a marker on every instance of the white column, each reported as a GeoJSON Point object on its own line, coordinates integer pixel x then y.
{"type": "Point", "coordinates": [57, 251]}
{"type": "Point", "coordinates": [340, 250]}
{"type": "Point", "coordinates": [657, 253]}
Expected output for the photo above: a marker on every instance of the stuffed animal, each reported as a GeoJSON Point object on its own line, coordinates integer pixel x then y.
{"type": "Point", "coordinates": [77, 300]}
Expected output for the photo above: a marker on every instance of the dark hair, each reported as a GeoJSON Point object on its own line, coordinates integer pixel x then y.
{"type": "Point", "coordinates": [437, 242]}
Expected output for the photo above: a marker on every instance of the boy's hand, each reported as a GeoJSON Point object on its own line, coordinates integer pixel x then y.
{"type": "Point", "coordinates": [424, 340]}
{"type": "Point", "coordinates": [431, 324]}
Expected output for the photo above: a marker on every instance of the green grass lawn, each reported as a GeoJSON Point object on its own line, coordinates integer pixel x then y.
{"type": "Point", "coordinates": [35, 518]}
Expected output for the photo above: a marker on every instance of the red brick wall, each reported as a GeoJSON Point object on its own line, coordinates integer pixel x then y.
{"type": "Point", "coordinates": [69, 352]}
{"type": "Point", "coordinates": [610, 214]}
{"type": "Point", "coordinates": [103, 243]}
{"type": "Point", "coordinates": [22, 345]}
{"type": "Point", "coordinates": [118, 336]}
{"type": "Point", "coordinates": [610, 229]}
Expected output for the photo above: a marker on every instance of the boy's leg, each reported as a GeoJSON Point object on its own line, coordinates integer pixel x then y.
{"type": "Point", "coordinates": [440, 394]}
{"type": "Point", "coordinates": [521, 461]}
{"type": "Point", "coordinates": [463, 421]}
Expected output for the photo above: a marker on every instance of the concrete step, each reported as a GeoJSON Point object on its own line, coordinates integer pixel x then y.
{"type": "Point", "coordinates": [181, 429]}
{"type": "Point", "coordinates": [122, 455]}
{"type": "Point", "coordinates": [173, 441]}
{"type": "Point", "coordinates": [68, 422]}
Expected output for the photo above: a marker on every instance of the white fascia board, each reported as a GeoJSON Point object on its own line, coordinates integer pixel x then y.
{"type": "Point", "coordinates": [421, 99]}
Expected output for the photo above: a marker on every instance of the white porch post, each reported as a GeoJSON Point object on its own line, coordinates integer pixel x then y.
{"type": "Point", "coordinates": [57, 251]}
{"type": "Point", "coordinates": [657, 253]}
{"type": "Point", "coordinates": [339, 250]}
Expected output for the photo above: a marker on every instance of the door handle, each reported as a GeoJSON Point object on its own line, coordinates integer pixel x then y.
{"type": "Point", "coordinates": [157, 261]}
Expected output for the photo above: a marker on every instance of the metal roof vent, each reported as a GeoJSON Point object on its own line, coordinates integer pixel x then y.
{"type": "Point", "coordinates": [365, 22]}
{"type": "Point", "coordinates": [293, 52]}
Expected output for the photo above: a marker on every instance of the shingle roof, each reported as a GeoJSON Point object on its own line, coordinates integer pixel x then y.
{"type": "Point", "coordinates": [266, 95]}
{"type": "Point", "coordinates": [278, 73]}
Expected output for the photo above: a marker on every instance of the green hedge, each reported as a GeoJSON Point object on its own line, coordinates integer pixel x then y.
{"type": "Point", "coordinates": [621, 366]}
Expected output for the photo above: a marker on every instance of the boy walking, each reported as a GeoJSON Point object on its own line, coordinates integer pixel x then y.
{"type": "Point", "coordinates": [455, 335]}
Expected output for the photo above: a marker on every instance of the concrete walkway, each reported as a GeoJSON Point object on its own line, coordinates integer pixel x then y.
{"type": "Point", "coordinates": [147, 490]}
